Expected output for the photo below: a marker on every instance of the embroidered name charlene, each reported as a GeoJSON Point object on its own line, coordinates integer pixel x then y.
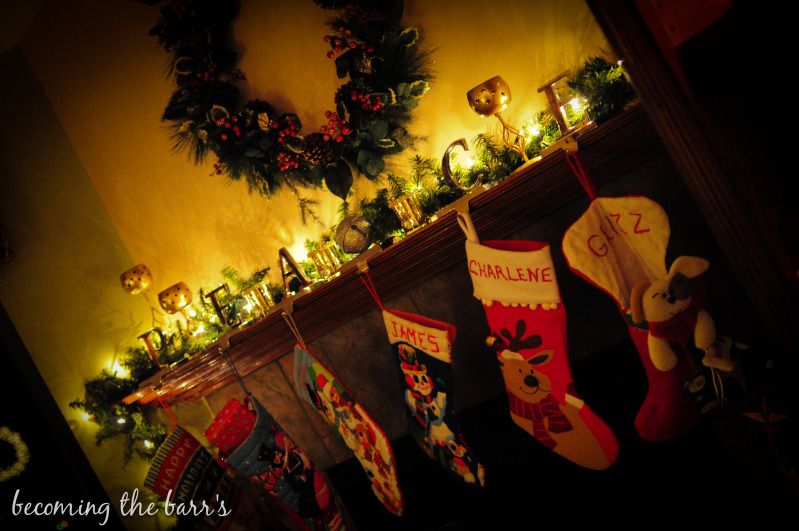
{"type": "Point", "coordinates": [516, 274]}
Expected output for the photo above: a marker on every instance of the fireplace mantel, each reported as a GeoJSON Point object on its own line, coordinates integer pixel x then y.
{"type": "Point", "coordinates": [615, 147]}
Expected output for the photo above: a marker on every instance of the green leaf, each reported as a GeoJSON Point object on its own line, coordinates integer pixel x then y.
{"type": "Point", "coordinates": [370, 163]}
{"type": "Point", "coordinates": [254, 153]}
{"type": "Point", "coordinates": [403, 90]}
{"type": "Point", "coordinates": [378, 129]}
{"type": "Point", "coordinates": [338, 178]}
{"type": "Point", "coordinates": [418, 88]}
{"type": "Point", "coordinates": [408, 37]}
{"type": "Point", "coordinates": [344, 64]}
{"type": "Point", "coordinates": [316, 174]}
{"type": "Point", "coordinates": [376, 166]}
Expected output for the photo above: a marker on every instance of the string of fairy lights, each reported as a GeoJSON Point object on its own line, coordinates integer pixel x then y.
{"type": "Point", "coordinates": [184, 326]}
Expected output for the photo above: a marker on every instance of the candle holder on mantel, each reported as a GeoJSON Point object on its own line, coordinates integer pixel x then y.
{"type": "Point", "coordinates": [259, 298]}
{"type": "Point", "coordinates": [175, 299]}
{"type": "Point", "coordinates": [408, 210]}
{"type": "Point", "coordinates": [490, 98]}
{"type": "Point", "coordinates": [326, 259]}
{"type": "Point", "coordinates": [137, 280]}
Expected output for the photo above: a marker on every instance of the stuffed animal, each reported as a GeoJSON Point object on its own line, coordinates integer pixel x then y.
{"type": "Point", "coordinates": [669, 307]}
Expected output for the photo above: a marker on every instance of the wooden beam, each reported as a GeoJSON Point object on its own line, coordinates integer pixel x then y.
{"type": "Point", "coordinates": [676, 122]}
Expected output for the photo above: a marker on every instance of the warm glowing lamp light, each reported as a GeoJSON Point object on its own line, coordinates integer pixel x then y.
{"type": "Point", "coordinates": [490, 98]}
{"type": "Point", "coordinates": [118, 370]}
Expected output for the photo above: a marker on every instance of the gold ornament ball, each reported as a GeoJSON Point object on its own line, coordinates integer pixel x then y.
{"type": "Point", "coordinates": [490, 97]}
{"type": "Point", "coordinates": [136, 279]}
{"type": "Point", "coordinates": [175, 298]}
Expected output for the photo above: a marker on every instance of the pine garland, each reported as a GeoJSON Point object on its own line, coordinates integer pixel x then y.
{"type": "Point", "coordinates": [386, 76]}
{"type": "Point", "coordinates": [103, 394]}
{"type": "Point", "coordinates": [602, 85]}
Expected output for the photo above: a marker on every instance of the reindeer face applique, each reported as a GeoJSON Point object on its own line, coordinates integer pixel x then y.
{"type": "Point", "coordinates": [532, 405]}
{"type": "Point", "coordinates": [520, 375]}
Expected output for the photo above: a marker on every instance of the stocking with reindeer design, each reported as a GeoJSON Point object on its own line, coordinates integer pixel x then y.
{"type": "Point", "coordinates": [515, 280]}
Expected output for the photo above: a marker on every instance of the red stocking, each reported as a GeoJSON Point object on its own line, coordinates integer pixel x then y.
{"type": "Point", "coordinates": [617, 244]}
{"type": "Point", "coordinates": [516, 282]}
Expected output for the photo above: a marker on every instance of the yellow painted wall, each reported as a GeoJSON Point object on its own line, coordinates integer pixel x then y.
{"type": "Point", "coordinates": [91, 187]}
{"type": "Point", "coordinates": [61, 290]}
{"type": "Point", "coordinates": [105, 79]}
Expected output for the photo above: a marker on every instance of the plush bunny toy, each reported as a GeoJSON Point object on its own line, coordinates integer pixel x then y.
{"type": "Point", "coordinates": [669, 307]}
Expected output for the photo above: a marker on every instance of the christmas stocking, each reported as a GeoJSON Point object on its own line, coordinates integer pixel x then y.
{"type": "Point", "coordinates": [423, 348]}
{"type": "Point", "coordinates": [515, 280]}
{"type": "Point", "coordinates": [185, 473]}
{"type": "Point", "coordinates": [319, 386]}
{"type": "Point", "coordinates": [271, 459]}
{"type": "Point", "coordinates": [619, 245]}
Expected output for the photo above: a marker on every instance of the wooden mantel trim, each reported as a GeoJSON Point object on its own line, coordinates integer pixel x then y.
{"type": "Point", "coordinates": [608, 151]}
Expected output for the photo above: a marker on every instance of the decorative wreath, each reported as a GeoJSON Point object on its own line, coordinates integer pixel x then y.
{"type": "Point", "coordinates": [387, 74]}
{"type": "Point", "coordinates": [21, 451]}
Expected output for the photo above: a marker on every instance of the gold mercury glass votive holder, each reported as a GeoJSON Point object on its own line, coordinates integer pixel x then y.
{"type": "Point", "coordinates": [326, 259]}
{"type": "Point", "coordinates": [259, 300]}
{"type": "Point", "coordinates": [408, 210]}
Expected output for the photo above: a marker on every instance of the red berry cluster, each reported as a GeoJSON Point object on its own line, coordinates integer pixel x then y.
{"type": "Point", "coordinates": [287, 161]}
{"type": "Point", "coordinates": [209, 74]}
{"type": "Point", "coordinates": [231, 123]}
{"type": "Point", "coordinates": [341, 44]}
{"type": "Point", "coordinates": [217, 169]}
{"type": "Point", "coordinates": [369, 103]}
{"type": "Point", "coordinates": [290, 130]}
{"type": "Point", "coordinates": [337, 127]}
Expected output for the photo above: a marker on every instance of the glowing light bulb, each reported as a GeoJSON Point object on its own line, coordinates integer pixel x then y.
{"type": "Point", "coordinates": [84, 416]}
{"type": "Point", "coordinates": [148, 444]}
{"type": "Point", "coordinates": [192, 312]}
{"type": "Point", "coordinates": [576, 104]}
{"type": "Point", "coordinates": [469, 162]}
{"type": "Point", "coordinates": [532, 129]}
{"type": "Point", "coordinates": [199, 330]}
{"type": "Point", "coordinates": [118, 370]}
{"type": "Point", "coordinates": [121, 420]}
{"type": "Point", "coordinates": [298, 250]}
